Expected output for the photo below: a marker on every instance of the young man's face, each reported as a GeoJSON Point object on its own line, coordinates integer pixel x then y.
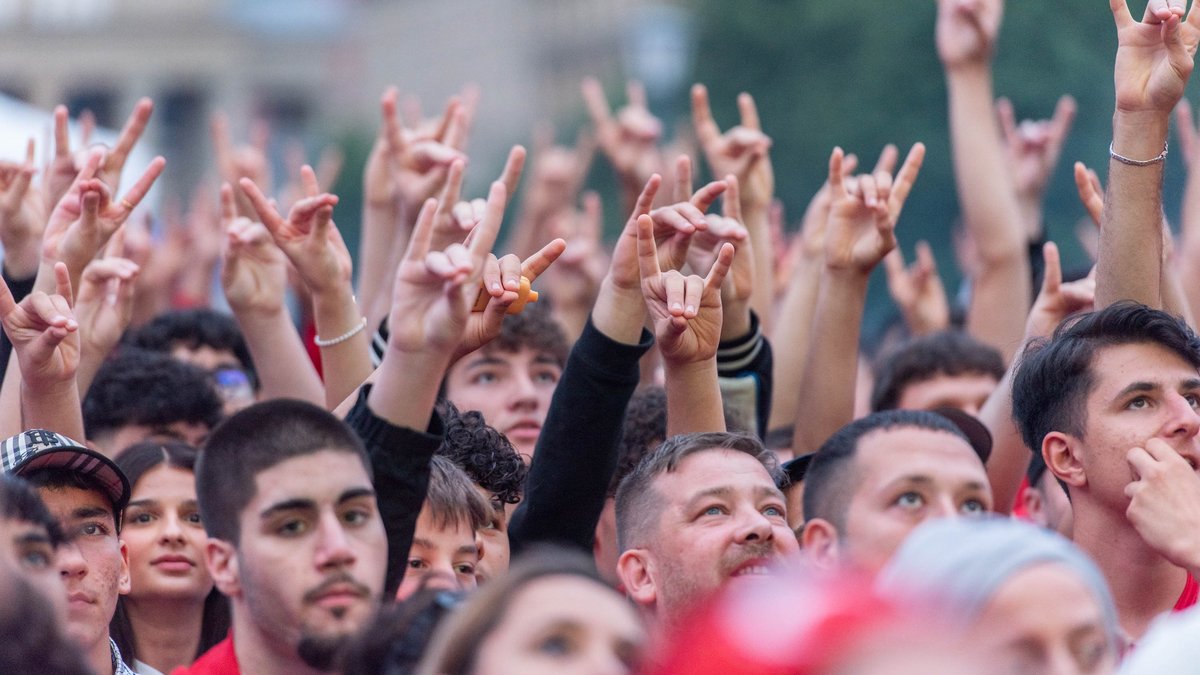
{"type": "Point", "coordinates": [310, 564]}
{"type": "Point", "coordinates": [966, 392]}
{"type": "Point", "coordinates": [93, 562]}
{"type": "Point", "coordinates": [903, 477]}
{"type": "Point", "coordinates": [511, 389]}
{"type": "Point", "coordinates": [28, 550]}
{"type": "Point", "coordinates": [722, 518]}
{"type": "Point", "coordinates": [441, 557]}
{"type": "Point", "coordinates": [1140, 391]}
{"type": "Point", "coordinates": [496, 547]}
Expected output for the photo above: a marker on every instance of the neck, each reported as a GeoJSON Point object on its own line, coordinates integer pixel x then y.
{"type": "Point", "coordinates": [258, 651]}
{"type": "Point", "coordinates": [1143, 583]}
{"type": "Point", "coordinates": [167, 631]}
{"type": "Point", "coordinates": [99, 657]}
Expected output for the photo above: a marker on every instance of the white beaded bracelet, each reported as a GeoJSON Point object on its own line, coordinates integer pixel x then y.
{"type": "Point", "coordinates": [1137, 162]}
{"type": "Point", "coordinates": [341, 338]}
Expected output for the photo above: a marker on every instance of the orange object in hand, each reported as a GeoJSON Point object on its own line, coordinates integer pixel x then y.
{"type": "Point", "coordinates": [525, 295]}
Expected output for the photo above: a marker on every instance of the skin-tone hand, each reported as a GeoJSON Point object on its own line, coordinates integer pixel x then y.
{"type": "Point", "coordinates": [558, 172]}
{"type": "Point", "coordinates": [674, 225]}
{"type": "Point", "coordinates": [1154, 56]}
{"type": "Point", "coordinates": [1057, 300]}
{"type": "Point", "coordinates": [65, 165]}
{"type": "Point", "coordinates": [308, 237]}
{"type": "Point", "coordinates": [741, 151]}
{"type": "Point", "coordinates": [1091, 192]}
{"type": "Point", "coordinates": [43, 331]}
{"type": "Point", "coordinates": [254, 275]}
{"type": "Point", "coordinates": [327, 170]}
{"type": "Point", "coordinates": [577, 274]}
{"type": "Point", "coordinates": [684, 310]}
{"type": "Point", "coordinates": [456, 218]}
{"type": "Point", "coordinates": [630, 140]}
{"type": "Point", "coordinates": [967, 30]}
{"type": "Point", "coordinates": [245, 161]}
{"type": "Point", "coordinates": [1164, 502]}
{"type": "Point", "coordinates": [420, 160]}
{"type": "Point", "coordinates": [22, 216]}
{"type": "Point", "coordinates": [87, 215]}
{"type": "Point", "coordinates": [104, 306]}
{"type": "Point", "coordinates": [863, 215]}
{"type": "Point", "coordinates": [1033, 149]}
{"type": "Point", "coordinates": [918, 291]}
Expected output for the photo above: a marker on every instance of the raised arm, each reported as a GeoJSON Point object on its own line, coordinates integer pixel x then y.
{"type": "Point", "coordinates": [860, 232]}
{"type": "Point", "coordinates": [629, 140]}
{"type": "Point", "coordinates": [1000, 295]}
{"type": "Point", "coordinates": [1033, 148]}
{"type": "Point", "coordinates": [1153, 63]}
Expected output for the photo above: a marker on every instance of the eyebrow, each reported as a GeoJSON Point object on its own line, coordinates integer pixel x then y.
{"type": "Point", "coordinates": [302, 504]}
{"type": "Point", "coordinates": [926, 480]}
{"type": "Point", "coordinates": [143, 503]}
{"type": "Point", "coordinates": [85, 512]}
{"type": "Point", "coordinates": [725, 491]}
{"type": "Point", "coordinates": [35, 537]}
{"type": "Point", "coordinates": [485, 360]}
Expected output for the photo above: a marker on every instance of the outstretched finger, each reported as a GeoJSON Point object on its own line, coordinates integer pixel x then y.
{"type": "Point", "coordinates": [683, 178]}
{"type": "Point", "coordinates": [452, 191]}
{"type": "Point", "coordinates": [1064, 117]}
{"type": "Point", "coordinates": [907, 176]}
{"type": "Point", "coordinates": [483, 237]}
{"type": "Point", "coordinates": [62, 133]}
{"type": "Point", "coordinates": [392, 129]}
{"type": "Point", "coordinates": [422, 235]}
{"type": "Point", "coordinates": [267, 214]}
{"type": "Point", "coordinates": [887, 159]}
{"type": "Point", "coordinates": [708, 194]}
{"type": "Point", "coordinates": [513, 166]}
{"type": "Point", "coordinates": [731, 207]}
{"type": "Point", "coordinates": [1008, 120]}
{"type": "Point", "coordinates": [135, 126]}
{"type": "Point", "coordinates": [1052, 276]}
{"type": "Point", "coordinates": [597, 104]}
{"type": "Point", "coordinates": [143, 185]}
{"type": "Point", "coordinates": [646, 248]}
{"type": "Point", "coordinates": [228, 204]}
{"type": "Point", "coordinates": [62, 283]}
{"type": "Point", "coordinates": [836, 179]}
{"type": "Point", "coordinates": [702, 120]}
{"type": "Point", "coordinates": [1091, 197]}
{"type": "Point", "coordinates": [893, 265]}
{"type": "Point", "coordinates": [539, 262]}
{"type": "Point", "coordinates": [749, 111]}
{"type": "Point", "coordinates": [645, 200]}
{"type": "Point", "coordinates": [720, 268]}
{"type": "Point", "coordinates": [308, 181]}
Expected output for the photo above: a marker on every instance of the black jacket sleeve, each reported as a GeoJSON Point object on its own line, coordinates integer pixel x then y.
{"type": "Point", "coordinates": [576, 453]}
{"type": "Point", "coordinates": [400, 460]}
{"type": "Point", "coordinates": [744, 370]}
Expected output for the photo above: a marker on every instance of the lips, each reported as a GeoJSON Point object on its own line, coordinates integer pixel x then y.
{"type": "Point", "coordinates": [80, 598]}
{"type": "Point", "coordinates": [524, 430]}
{"type": "Point", "coordinates": [337, 592]}
{"type": "Point", "coordinates": [754, 567]}
{"type": "Point", "coordinates": [173, 563]}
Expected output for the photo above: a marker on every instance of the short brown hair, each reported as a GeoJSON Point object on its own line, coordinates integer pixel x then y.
{"type": "Point", "coordinates": [452, 497]}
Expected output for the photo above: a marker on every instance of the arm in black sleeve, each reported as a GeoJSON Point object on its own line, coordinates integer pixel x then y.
{"type": "Point", "coordinates": [744, 370]}
{"type": "Point", "coordinates": [19, 289]}
{"type": "Point", "coordinates": [400, 460]}
{"type": "Point", "coordinates": [576, 452]}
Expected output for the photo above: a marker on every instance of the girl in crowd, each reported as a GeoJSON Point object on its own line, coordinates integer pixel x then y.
{"type": "Point", "coordinates": [549, 614]}
{"type": "Point", "coordinates": [1029, 599]}
{"type": "Point", "coordinates": [173, 613]}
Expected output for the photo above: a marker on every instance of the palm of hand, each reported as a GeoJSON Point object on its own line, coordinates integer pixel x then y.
{"type": "Point", "coordinates": [255, 276]}
{"type": "Point", "coordinates": [857, 236]}
{"type": "Point", "coordinates": [965, 33]}
{"type": "Point", "coordinates": [24, 327]}
{"type": "Point", "coordinates": [1146, 77]}
{"type": "Point", "coordinates": [417, 179]}
{"type": "Point", "coordinates": [681, 339]}
{"type": "Point", "coordinates": [441, 302]}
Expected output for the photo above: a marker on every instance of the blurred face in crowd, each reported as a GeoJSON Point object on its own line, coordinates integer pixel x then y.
{"type": "Point", "coordinates": [903, 477]}
{"type": "Point", "coordinates": [562, 625]}
{"type": "Point", "coordinates": [1048, 506]}
{"type": "Point", "coordinates": [966, 392]}
{"type": "Point", "coordinates": [511, 389]}
{"type": "Point", "coordinates": [230, 379]}
{"type": "Point", "coordinates": [443, 556]}
{"type": "Point", "coordinates": [1045, 620]}
{"type": "Point", "coordinates": [93, 562]}
{"type": "Point", "coordinates": [27, 550]}
{"type": "Point", "coordinates": [111, 444]}
{"type": "Point", "coordinates": [165, 537]}
{"type": "Point", "coordinates": [494, 538]}
{"type": "Point", "coordinates": [1140, 391]}
{"type": "Point", "coordinates": [722, 520]}
{"type": "Point", "coordinates": [308, 569]}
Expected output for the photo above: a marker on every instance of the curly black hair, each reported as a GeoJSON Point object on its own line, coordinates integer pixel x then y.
{"type": "Point", "coordinates": [483, 453]}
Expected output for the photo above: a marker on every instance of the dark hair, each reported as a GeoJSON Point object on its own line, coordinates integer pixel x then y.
{"type": "Point", "coordinates": [830, 478]}
{"type": "Point", "coordinates": [19, 500]}
{"type": "Point", "coordinates": [254, 440]}
{"type": "Point", "coordinates": [394, 642]}
{"type": "Point", "coordinates": [194, 328]}
{"type": "Point", "coordinates": [58, 477]}
{"type": "Point", "coordinates": [644, 428]}
{"type": "Point", "coordinates": [33, 640]}
{"type": "Point", "coordinates": [455, 645]}
{"type": "Point", "coordinates": [1054, 376]}
{"type": "Point", "coordinates": [534, 328]}
{"type": "Point", "coordinates": [638, 504]}
{"type": "Point", "coordinates": [483, 453]}
{"type": "Point", "coordinates": [948, 352]}
{"type": "Point", "coordinates": [452, 498]}
{"type": "Point", "coordinates": [151, 389]}
{"type": "Point", "coordinates": [136, 461]}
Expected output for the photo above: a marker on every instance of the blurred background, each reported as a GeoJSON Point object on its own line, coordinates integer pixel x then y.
{"type": "Point", "coordinates": [823, 73]}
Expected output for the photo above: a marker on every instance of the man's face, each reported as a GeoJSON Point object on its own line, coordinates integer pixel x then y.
{"type": "Point", "coordinates": [93, 562]}
{"type": "Point", "coordinates": [26, 547]}
{"type": "Point", "coordinates": [903, 477]}
{"type": "Point", "coordinates": [231, 380]}
{"type": "Point", "coordinates": [722, 518]}
{"type": "Point", "coordinates": [966, 392]}
{"type": "Point", "coordinates": [312, 555]}
{"type": "Point", "coordinates": [496, 548]}
{"type": "Point", "coordinates": [511, 389]}
{"type": "Point", "coordinates": [1140, 391]}
{"type": "Point", "coordinates": [440, 557]}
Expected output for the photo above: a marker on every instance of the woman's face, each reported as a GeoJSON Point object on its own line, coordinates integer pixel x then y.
{"type": "Point", "coordinates": [1045, 620]}
{"type": "Point", "coordinates": [561, 625]}
{"type": "Point", "coordinates": [165, 537]}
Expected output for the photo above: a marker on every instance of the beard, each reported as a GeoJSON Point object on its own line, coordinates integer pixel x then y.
{"type": "Point", "coordinates": [321, 651]}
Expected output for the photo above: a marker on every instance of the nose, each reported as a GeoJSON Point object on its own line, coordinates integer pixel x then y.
{"type": "Point", "coordinates": [523, 394]}
{"type": "Point", "coordinates": [1183, 420]}
{"type": "Point", "coordinates": [333, 544]}
{"type": "Point", "coordinates": [172, 529]}
{"type": "Point", "coordinates": [71, 562]}
{"type": "Point", "coordinates": [754, 526]}
{"type": "Point", "coordinates": [942, 507]}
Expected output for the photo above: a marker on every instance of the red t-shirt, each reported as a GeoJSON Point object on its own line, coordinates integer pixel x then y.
{"type": "Point", "coordinates": [221, 660]}
{"type": "Point", "coordinates": [1187, 598]}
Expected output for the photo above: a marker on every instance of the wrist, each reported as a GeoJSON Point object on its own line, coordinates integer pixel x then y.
{"type": "Point", "coordinates": [1140, 134]}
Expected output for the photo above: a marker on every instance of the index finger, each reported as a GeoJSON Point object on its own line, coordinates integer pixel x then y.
{"type": "Point", "coordinates": [597, 103]}
{"type": "Point", "coordinates": [1052, 274]}
{"type": "Point", "coordinates": [702, 119]}
{"type": "Point", "coordinates": [228, 205]}
{"type": "Point", "coordinates": [646, 249]}
{"type": "Point", "coordinates": [132, 132]}
{"type": "Point", "coordinates": [483, 237]}
{"type": "Point", "coordinates": [393, 132]}
{"type": "Point", "coordinates": [62, 134]}
{"type": "Point", "coordinates": [267, 214]}
{"type": "Point", "coordinates": [308, 180]}
{"type": "Point", "coordinates": [62, 283]}
{"type": "Point", "coordinates": [511, 175]}
{"type": "Point", "coordinates": [749, 111]}
{"type": "Point", "coordinates": [908, 174]}
{"type": "Point", "coordinates": [720, 267]}
{"type": "Point", "coordinates": [731, 207]}
{"type": "Point", "coordinates": [646, 199]}
{"type": "Point", "coordinates": [683, 178]}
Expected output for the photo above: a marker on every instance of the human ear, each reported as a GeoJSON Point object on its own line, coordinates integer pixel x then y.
{"type": "Point", "coordinates": [820, 543]}
{"type": "Point", "coordinates": [1031, 499]}
{"type": "Point", "coordinates": [124, 581]}
{"type": "Point", "coordinates": [1061, 453]}
{"type": "Point", "coordinates": [636, 571]}
{"type": "Point", "coordinates": [221, 560]}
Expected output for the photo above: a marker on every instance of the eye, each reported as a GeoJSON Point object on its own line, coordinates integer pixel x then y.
{"type": "Point", "coordinates": [1193, 400]}
{"type": "Point", "coordinates": [292, 528]}
{"type": "Point", "coordinates": [910, 500]}
{"type": "Point", "coordinates": [484, 377]}
{"type": "Point", "coordinates": [141, 518]}
{"type": "Point", "coordinates": [193, 518]}
{"type": "Point", "coordinates": [546, 377]}
{"type": "Point", "coordinates": [714, 510]}
{"type": "Point", "coordinates": [973, 507]}
{"type": "Point", "coordinates": [37, 557]}
{"type": "Point", "coordinates": [774, 512]}
{"type": "Point", "coordinates": [416, 564]}
{"type": "Point", "coordinates": [356, 517]}
{"type": "Point", "coordinates": [555, 645]}
{"type": "Point", "coordinates": [465, 568]}
{"type": "Point", "coordinates": [1139, 403]}
{"type": "Point", "coordinates": [93, 530]}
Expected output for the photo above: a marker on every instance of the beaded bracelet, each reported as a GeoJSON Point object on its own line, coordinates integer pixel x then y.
{"type": "Point", "coordinates": [341, 338]}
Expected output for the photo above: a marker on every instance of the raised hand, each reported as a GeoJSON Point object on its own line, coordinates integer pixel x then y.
{"type": "Point", "coordinates": [22, 216]}
{"type": "Point", "coordinates": [578, 272]}
{"type": "Point", "coordinates": [1033, 149]}
{"type": "Point", "coordinates": [864, 211]}
{"type": "Point", "coordinates": [675, 224]}
{"type": "Point", "coordinates": [684, 310]}
{"type": "Point", "coordinates": [630, 140]}
{"type": "Point", "coordinates": [1057, 300]}
{"type": "Point", "coordinates": [43, 331]}
{"type": "Point", "coordinates": [420, 159]}
{"type": "Point", "coordinates": [918, 291]}
{"type": "Point", "coordinates": [967, 30]}
{"type": "Point", "coordinates": [1154, 56]}
{"type": "Point", "coordinates": [245, 161]}
{"type": "Point", "coordinates": [1164, 497]}
{"type": "Point", "coordinates": [741, 151]}
{"type": "Point", "coordinates": [104, 305]}
{"type": "Point", "coordinates": [456, 218]}
{"type": "Point", "coordinates": [254, 275]}
{"type": "Point", "coordinates": [308, 237]}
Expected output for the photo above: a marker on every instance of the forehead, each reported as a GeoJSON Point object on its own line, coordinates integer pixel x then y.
{"type": "Point", "coordinates": [320, 477]}
{"type": "Point", "coordinates": [713, 468]}
{"type": "Point", "coordinates": [887, 454]}
{"type": "Point", "coordinates": [522, 357]}
{"type": "Point", "coordinates": [942, 389]}
{"type": "Point", "coordinates": [573, 599]}
{"type": "Point", "coordinates": [1117, 366]}
{"type": "Point", "coordinates": [165, 482]}
{"type": "Point", "coordinates": [65, 502]}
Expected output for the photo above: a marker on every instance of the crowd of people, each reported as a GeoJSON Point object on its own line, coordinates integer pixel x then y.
{"type": "Point", "coordinates": [674, 454]}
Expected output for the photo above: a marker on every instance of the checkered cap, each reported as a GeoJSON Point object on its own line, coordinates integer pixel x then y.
{"type": "Point", "coordinates": [36, 449]}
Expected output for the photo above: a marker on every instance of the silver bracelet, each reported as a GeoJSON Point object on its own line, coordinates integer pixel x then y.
{"type": "Point", "coordinates": [341, 338]}
{"type": "Point", "coordinates": [1137, 162]}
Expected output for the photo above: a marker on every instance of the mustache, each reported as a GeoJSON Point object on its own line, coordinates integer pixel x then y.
{"type": "Point", "coordinates": [338, 579]}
